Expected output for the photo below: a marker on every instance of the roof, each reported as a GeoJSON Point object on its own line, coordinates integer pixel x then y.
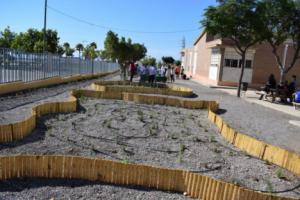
{"type": "Point", "coordinates": [199, 37]}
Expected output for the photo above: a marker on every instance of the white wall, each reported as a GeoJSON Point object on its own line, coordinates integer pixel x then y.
{"type": "Point", "coordinates": [233, 74]}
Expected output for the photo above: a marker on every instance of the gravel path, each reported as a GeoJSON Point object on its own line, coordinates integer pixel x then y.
{"type": "Point", "coordinates": [43, 189]}
{"type": "Point", "coordinates": [252, 119]}
{"type": "Point", "coordinates": [150, 134]}
{"type": "Point", "coordinates": [11, 101]}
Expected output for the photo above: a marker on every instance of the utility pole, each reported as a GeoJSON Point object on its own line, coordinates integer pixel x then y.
{"type": "Point", "coordinates": [44, 42]}
{"type": "Point", "coordinates": [45, 26]}
{"type": "Point", "coordinates": [183, 43]}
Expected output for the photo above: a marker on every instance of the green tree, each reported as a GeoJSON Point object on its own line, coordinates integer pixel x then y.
{"type": "Point", "coordinates": [237, 21]}
{"type": "Point", "coordinates": [60, 50]}
{"type": "Point", "coordinates": [149, 61]}
{"type": "Point", "coordinates": [121, 50]}
{"type": "Point", "coordinates": [138, 52]}
{"type": "Point", "coordinates": [90, 51]}
{"type": "Point", "coordinates": [111, 46]}
{"type": "Point", "coordinates": [68, 50]}
{"type": "Point", "coordinates": [168, 60]}
{"type": "Point", "coordinates": [32, 39]}
{"type": "Point", "coordinates": [79, 47]}
{"type": "Point", "coordinates": [6, 38]}
{"type": "Point", "coordinates": [281, 24]}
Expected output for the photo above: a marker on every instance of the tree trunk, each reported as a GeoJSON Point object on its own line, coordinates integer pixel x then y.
{"type": "Point", "coordinates": [282, 75]}
{"type": "Point", "coordinates": [242, 65]}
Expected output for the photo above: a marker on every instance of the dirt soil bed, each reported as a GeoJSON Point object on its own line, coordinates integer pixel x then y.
{"type": "Point", "coordinates": [136, 133]}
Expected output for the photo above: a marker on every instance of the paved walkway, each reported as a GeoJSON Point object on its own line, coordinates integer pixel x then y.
{"type": "Point", "coordinates": [262, 120]}
{"type": "Point", "coordinates": [252, 97]}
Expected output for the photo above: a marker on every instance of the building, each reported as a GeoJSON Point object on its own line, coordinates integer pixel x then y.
{"type": "Point", "coordinates": [214, 61]}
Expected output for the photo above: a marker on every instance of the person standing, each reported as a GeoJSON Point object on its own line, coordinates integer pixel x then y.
{"type": "Point", "coordinates": [151, 74]}
{"type": "Point", "coordinates": [142, 73]}
{"type": "Point", "coordinates": [172, 75]}
{"type": "Point", "coordinates": [132, 70]}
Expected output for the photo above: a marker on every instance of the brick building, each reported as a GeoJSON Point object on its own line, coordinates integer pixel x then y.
{"type": "Point", "coordinates": [214, 61]}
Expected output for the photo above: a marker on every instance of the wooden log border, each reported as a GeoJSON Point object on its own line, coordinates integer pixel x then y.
{"type": "Point", "coordinates": [114, 172]}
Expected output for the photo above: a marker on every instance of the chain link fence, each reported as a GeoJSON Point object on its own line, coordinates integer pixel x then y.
{"type": "Point", "coordinates": [21, 66]}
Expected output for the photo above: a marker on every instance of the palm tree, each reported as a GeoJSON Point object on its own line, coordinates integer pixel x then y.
{"type": "Point", "coordinates": [79, 48]}
{"type": "Point", "coordinates": [67, 49]}
{"type": "Point", "coordinates": [93, 44]}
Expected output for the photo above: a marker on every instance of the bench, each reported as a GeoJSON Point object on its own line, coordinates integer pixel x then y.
{"type": "Point", "coordinates": [274, 93]}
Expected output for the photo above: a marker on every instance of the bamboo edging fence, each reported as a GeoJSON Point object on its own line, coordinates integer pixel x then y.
{"type": "Point", "coordinates": [113, 172]}
{"type": "Point", "coordinates": [196, 186]}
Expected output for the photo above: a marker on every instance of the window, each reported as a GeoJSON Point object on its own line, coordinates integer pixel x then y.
{"type": "Point", "coordinates": [248, 64]}
{"type": "Point", "coordinates": [234, 63]}
{"type": "Point", "coordinates": [227, 62]}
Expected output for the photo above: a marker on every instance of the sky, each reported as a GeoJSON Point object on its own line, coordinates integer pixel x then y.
{"type": "Point", "coordinates": [144, 21]}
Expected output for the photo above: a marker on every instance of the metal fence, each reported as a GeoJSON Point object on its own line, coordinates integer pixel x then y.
{"type": "Point", "coordinates": [21, 66]}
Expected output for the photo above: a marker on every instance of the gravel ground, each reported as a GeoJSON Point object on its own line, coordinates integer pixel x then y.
{"type": "Point", "coordinates": [252, 119]}
{"type": "Point", "coordinates": [11, 101]}
{"type": "Point", "coordinates": [77, 189]}
{"type": "Point", "coordinates": [150, 134]}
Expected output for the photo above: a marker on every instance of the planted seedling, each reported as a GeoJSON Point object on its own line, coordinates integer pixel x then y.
{"type": "Point", "coordinates": [269, 186]}
{"type": "Point", "coordinates": [117, 138]}
{"type": "Point", "coordinates": [180, 153]}
{"type": "Point", "coordinates": [280, 174]}
{"type": "Point", "coordinates": [191, 116]}
{"type": "Point", "coordinates": [140, 115]}
{"type": "Point", "coordinates": [216, 150]}
{"type": "Point", "coordinates": [212, 139]}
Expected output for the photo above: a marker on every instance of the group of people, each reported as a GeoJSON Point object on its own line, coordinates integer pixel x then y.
{"type": "Point", "coordinates": [285, 88]}
{"type": "Point", "coordinates": [150, 72]}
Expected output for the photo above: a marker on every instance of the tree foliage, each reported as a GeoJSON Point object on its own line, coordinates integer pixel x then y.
{"type": "Point", "coordinates": [6, 38]}
{"type": "Point", "coordinates": [32, 41]}
{"type": "Point", "coordinates": [90, 52]}
{"type": "Point", "coordinates": [168, 60]}
{"type": "Point", "coordinates": [149, 61]}
{"type": "Point", "coordinates": [281, 24]}
{"type": "Point", "coordinates": [120, 49]}
{"type": "Point", "coordinates": [236, 20]}
{"type": "Point", "coordinates": [79, 47]}
{"type": "Point", "coordinates": [67, 49]}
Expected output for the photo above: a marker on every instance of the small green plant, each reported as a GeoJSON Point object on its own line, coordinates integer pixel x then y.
{"type": "Point", "coordinates": [140, 115]}
{"type": "Point", "coordinates": [212, 139]}
{"type": "Point", "coordinates": [280, 174]}
{"type": "Point", "coordinates": [216, 150]}
{"type": "Point", "coordinates": [117, 138]}
{"type": "Point", "coordinates": [83, 99]}
{"type": "Point", "coordinates": [269, 186]}
{"type": "Point", "coordinates": [107, 123]}
{"type": "Point", "coordinates": [180, 153]}
{"type": "Point", "coordinates": [152, 115]}
{"type": "Point", "coordinates": [125, 161]}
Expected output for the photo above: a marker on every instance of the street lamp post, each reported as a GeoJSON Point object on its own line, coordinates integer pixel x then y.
{"type": "Point", "coordinates": [45, 37]}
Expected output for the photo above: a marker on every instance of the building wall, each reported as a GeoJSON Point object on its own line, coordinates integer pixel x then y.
{"type": "Point", "coordinates": [230, 74]}
{"type": "Point", "coordinates": [197, 60]}
{"type": "Point", "coordinates": [265, 64]}
{"type": "Point", "coordinates": [201, 64]}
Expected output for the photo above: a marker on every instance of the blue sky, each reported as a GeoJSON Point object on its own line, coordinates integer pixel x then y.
{"type": "Point", "coordinates": [139, 15]}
